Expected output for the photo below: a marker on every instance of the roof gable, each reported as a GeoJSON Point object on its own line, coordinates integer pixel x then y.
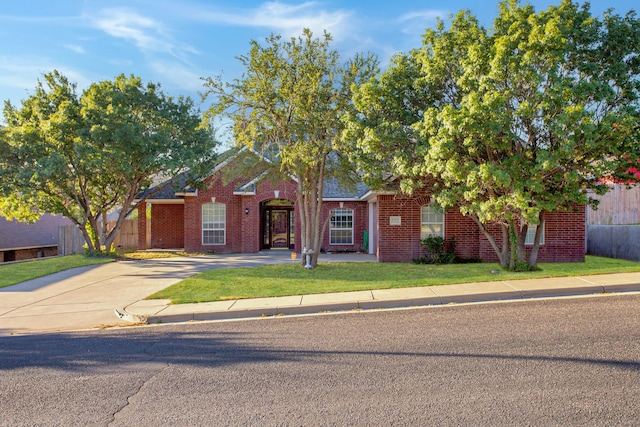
{"type": "Point", "coordinates": [178, 187]}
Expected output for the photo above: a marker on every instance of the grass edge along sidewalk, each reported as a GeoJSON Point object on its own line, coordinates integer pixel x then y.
{"type": "Point", "coordinates": [13, 273]}
{"type": "Point", "coordinates": [28, 269]}
{"type": "Point", "coordinates": [293, 279]}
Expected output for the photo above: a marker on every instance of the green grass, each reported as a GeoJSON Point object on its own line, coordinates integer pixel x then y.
{"type": "Point", "coordinates": [292, 279]}
{"type": "Point", "coordinates": [10, 274]}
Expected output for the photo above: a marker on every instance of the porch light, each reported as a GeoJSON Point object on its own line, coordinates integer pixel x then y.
{"type": "Point", "coordinates": [246, 211]}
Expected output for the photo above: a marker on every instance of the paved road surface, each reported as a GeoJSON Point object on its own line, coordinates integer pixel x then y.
{"type": "Point", "coordinates": [543, 362]}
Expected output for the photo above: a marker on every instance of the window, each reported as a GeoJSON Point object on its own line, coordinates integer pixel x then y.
{"type": "Point", "coordinates": [341, 227]}
{"type": "Point", "coordinates": [214, 223]}
{"type": "Point", "coordinates": [531, 234]}
{"type": "Point", "coordinates": [432, 221]}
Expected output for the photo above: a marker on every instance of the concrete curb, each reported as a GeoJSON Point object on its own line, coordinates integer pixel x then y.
{"type": "Point", "coordinates": [191, 314]}
{"type": "Point", "coordinates": [122, 314]}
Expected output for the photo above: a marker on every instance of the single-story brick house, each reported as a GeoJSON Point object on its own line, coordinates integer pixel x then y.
{"type": "Point", "coordinates": [252, 213]}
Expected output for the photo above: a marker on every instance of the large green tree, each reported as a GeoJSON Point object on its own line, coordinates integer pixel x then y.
{"type": "Point", "coordinates": [84, 156]}
{"type": "Point", "coordinates": [288, 106]}
{"type": "Point", "coordinates": [518, 121]}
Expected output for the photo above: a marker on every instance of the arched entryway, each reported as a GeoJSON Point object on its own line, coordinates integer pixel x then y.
{"type": "Point", "coordinates": [277, 224]}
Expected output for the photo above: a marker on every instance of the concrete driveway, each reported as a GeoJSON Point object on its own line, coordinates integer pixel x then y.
{"type": "Point", "coordinates": [86, 297]}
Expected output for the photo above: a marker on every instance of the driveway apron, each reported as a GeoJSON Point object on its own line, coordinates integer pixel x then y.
{"type": "Point", "coordinates": [86, 297]}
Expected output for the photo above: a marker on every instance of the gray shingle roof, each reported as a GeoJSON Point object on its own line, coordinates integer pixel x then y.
{"type": "Point", "coordinates": [332, 188]}
{"type": "Point", "coordinates": [44, 232]}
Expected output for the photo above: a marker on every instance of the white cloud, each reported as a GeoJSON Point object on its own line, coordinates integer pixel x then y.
{"type": "Point", "coordinates": [19, 75]}
{"type": "Point", "coordinates": [75, 48]}
{"type": "Point", "coordinates": [416, 22]}
{"type": "Point", "coordinates": [174, 74]}
{"type": "Point", "coordinates": [146, 34]}
{"type": "Point", "coordinates": [289, 20]}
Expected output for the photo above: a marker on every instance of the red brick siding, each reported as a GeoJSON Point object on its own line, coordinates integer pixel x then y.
{"type": "Point", "coordinates": [487, 254]}
{"type": "Point", "coordinates": [464, 232]}
{"type": "Point", "coordinates": [564, 234]}
{"type": "Point", "coordinates": [360, 224]}
{"type": "Point", "coordinates": [142, 226]}
{"type": "Point", "coordinates": [167, 226]}
{"type": "Point", "coordinates": [564, 239]}
{"type": "Point", "coordinates": [402, 243]}
{"type": "Point", "coordinates": [30, 253]}
{"type": "Point", "coordinates": [235, 217]}
{"type": "Point", "coordinates": [399, 243]}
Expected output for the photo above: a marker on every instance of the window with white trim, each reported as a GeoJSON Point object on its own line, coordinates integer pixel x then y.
{"type": "Point", "coordinates": [431, 221]}
{"type": "Point", "coordinates": [214, 223]}
{"type": "Point", "coordinates": [531, 234]}
{"type": "Point", "coordinates": [341, 227]}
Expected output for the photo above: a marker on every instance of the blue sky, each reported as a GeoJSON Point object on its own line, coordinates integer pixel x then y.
{"type": "Point", "coordinates": [176, 42]}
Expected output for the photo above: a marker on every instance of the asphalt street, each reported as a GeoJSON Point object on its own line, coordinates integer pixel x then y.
{"type": "Point", "coordinates": [572, 361]}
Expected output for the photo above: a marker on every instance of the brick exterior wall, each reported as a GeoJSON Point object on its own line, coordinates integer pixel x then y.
{"type": "Point", "coordinates": [401, 243]}
{"type": "Point", "coordinates": [360, 224]}
{"type": "Point", "coordinates": [564, 231]}
{"type": "Point", "coordinates": [243, 232]}
{"type": "Point", "coordinates": [167, 226]}
{"type": "Point", "coordinates": [29, 253]}
{"type": "Point", "coordinates": [235, 216]}
{"type": "Point", "coordinates": [564, 238]}
{"type": "Point", "coordinates": [142, 226]}
{"type": "Point", "coordinates": [398, 243]}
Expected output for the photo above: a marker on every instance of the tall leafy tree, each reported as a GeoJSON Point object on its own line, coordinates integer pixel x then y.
{"type": "Point", "coordinates": [86, 155]}
{"type": "Point", "coordinates": [521, 120]}
{"type": "Point", "coordinates": [288, 106]}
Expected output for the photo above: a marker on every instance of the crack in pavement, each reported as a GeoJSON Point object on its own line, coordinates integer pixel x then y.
{"type": "Point", "coordinates": [154, 374]}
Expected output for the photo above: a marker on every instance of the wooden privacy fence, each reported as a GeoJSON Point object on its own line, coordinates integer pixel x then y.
{"type": "Point", "coordinates": [127, 237]}
{"type": "Point", "coordinates": [620, 206]}
{"type": "Point", "coordinates": [71, 240]}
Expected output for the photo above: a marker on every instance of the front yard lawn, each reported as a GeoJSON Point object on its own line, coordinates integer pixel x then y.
{"type": "Point", "coordinates": [293, 279]}
{"type": "Point", "coordinates": [10, 274]}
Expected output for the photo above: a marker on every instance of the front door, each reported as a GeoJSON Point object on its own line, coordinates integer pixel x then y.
{"type": "Point", "coordinates": [277, 224]}
{"type": "Point", "coordinates": [280, 229]}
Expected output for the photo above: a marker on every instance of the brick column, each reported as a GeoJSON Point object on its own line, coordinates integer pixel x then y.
{"type": "Point", "coordinates": [142, 226]}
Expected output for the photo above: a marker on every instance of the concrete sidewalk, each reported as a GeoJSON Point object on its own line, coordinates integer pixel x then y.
{"type": "Point", "coordinates": [113, 294]}
{"type": "Point", "coordinates": [159, 311]}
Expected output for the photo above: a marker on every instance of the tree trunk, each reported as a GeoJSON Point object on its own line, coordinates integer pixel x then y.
{"type": "Point", "coordinates": [533, 259]}
{"type": "Point", "coordinates": [502, 253]}
{"type": "Point", "coordinates": [127, 207]}
{"type": "Point", "coordinates": [94, 235]}
{"type": "Point", "coordinates": [302, 210]}
{"type": "Point", "coordinates": [318, 187]}
{"type": "Point", "coordinates": [505, 255]}
{"type": "Point", "coordinates": [87, 237]}
{"type": "Point", "coordinates": [522, 238]}
{"type": "Point", "coordinates": [309, 196]}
